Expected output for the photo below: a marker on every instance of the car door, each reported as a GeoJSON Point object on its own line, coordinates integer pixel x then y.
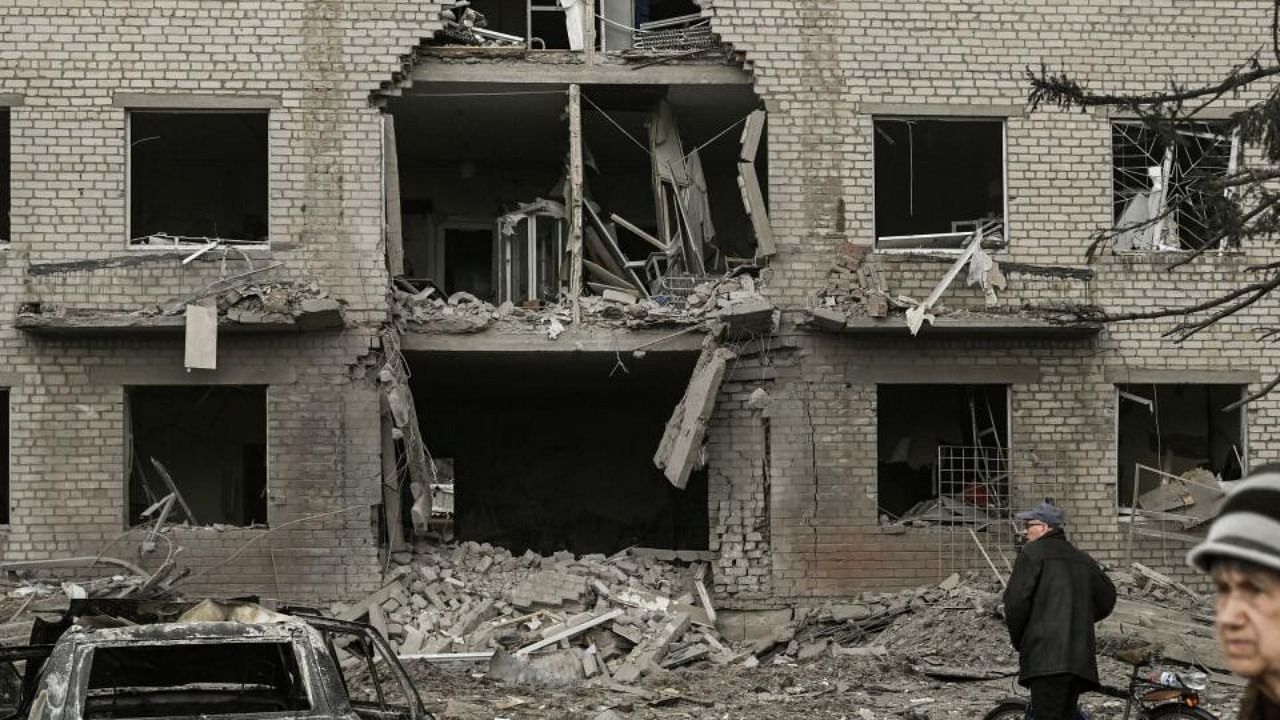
{"type": "Point", "coordinates": [377, 685]}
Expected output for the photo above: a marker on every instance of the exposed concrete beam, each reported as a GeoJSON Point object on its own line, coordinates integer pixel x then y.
{"type": "Point", "coordinates": [193, 101]}
{"type": "Point", "coordinates": [934, 374]}
{"type": "Point", "coordinates": [992, 110]}
{"type": "Point", "coordinates": [572, 340]}
{"type": "Point", "coordinates": [437, 71]}
{"type": "Point", "coordinates": [979, 326]}
{"type": "Point", "coordinates": [1155, 376]}
{"type": "Point", "coordinates": [175, 374]}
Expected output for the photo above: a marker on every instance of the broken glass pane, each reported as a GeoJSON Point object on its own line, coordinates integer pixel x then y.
{"type": "Point", "coordinates": [1154, 177]}
{"type": "Point", "coordinates": [138, 681]}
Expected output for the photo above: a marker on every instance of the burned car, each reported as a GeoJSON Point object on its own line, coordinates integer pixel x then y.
{"type": "Point", "coordinates": [228, 659]}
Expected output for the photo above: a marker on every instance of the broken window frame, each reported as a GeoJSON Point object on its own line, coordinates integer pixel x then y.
{"type": "Point", "coordinates": [182, 242]}
{"type": "Point", "coordinates": [1169, 224]}
{"type": "Point", "coordinates": [437, 250]}
{"type": "Point", "coordinates": [1002, 435]}
{"type": "Point", "coordinates": [961, 238]}
{"type": "Point", "coordinates": [179, 510]}
{"type": "Point", "coordinates": [6, 175]}
{"type": "Point", "coordinates": [287, 650]}
{"type": "Point", "coordinates": [1123, 504]}
{"type": "Point", "coordinates": [533, 273]}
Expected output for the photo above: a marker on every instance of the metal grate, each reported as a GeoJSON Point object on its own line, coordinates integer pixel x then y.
{"type": "Point", "coordinates": [1150, 174]}
{"type": "Point", "coordinates": [688, 32]}
{"type": "Point", "coordinates": [978, 490]}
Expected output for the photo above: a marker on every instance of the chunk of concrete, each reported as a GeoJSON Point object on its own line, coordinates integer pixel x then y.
{"type": "Point", "coordinates": [556, 669]}
{"type": "Point", "coordinates": [828, 318]}
{"type": "Point", "coordinates": [747, 626]}
{"type": "Point", "coordinates": [652, 649]}
{"type": "Point", "coordinates": [319, 314]}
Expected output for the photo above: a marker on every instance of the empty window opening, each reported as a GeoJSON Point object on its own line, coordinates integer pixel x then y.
{"type": "Point", "coordinates": [661, 180]}
{"type": "Point", "coordinates": [534, 24]}
{"type": "Point", "coordinates": [1176, 430]}
{"type": "Point", "coordinates": [1161, 198]}
{"type": "Point", "coordinates": [659, 25]}
{"type": "Point", "coordinates": [5, 176]}
{"type": "Point", "coordinates": [4, 457]}
{"type": "Point", "coordinates": [536, 466]}
{"type": "Point", "coordinates": [933, 464]}
{"type": "Point", "coordinates": [195, 176]}
{"type": "Point", "coordinates": [194, 679]}
{"type": "Point", "coordinates": [468, 261]}
{"type": "Point", "coordinates": [937, 181]}
{"type": "Point", "coordinates": [212, 441]}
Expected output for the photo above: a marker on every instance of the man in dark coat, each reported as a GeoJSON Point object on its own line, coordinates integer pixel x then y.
{"type": "Point", "coordinates": [1055, 595]}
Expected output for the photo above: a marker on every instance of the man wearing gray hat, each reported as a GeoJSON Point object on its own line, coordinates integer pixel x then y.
{"type": "Point", "coordinates": [1242, 555]}
{"type": "Point", "coordinates": [1055, 595]}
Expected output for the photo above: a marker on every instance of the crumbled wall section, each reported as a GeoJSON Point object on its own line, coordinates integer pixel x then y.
{"type": "Point", "coordinates": [318, 61]}
{"type": "Point", "coordinates": [793, 516]}
{"type": "Point", "coordinates": [821, 196]}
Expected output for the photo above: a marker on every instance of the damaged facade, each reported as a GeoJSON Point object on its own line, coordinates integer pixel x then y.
{"type": "Point", "coordinates": [722, 279]}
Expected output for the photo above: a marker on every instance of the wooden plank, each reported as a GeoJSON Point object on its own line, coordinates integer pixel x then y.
{"type": "Point", "coordinates": [168, 481]}
{"type": "Point", "coordinates": [391, 188]}
{"type": "Point", "coordinates": [391, 507]}
{"type": "Point", "coordinates": [753, 199]}
{"type": "Point", "coordinates": [200, 347]}
{"type": "Point", "coordinates": [638, 232]}
{"type": "Point", "coordinates": [575, 200]}
{"type": "Point", "coordinates": [752, 130]}
{"type": "Point", "coordinates": [569, 632]}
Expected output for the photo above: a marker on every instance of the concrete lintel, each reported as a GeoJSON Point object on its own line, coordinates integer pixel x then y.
{"type": "Point", "coordinates": [941, 374]}
{"type": "Point", "coordinates": [12, 379]}
{"type": "Point", "coordinates": [193, 101]}
{"type": "Point", "coordinates": [1152, 376]}
{"type": "Point", "coordinates": [943, 110]}
{"type": "Point", "coordinates": [587, 340]}
{"type": "Point", "coordinates": [975, 326]}
{"type": "Point", "coordinates": [434, 71]}
{"type": "Point", "coordinates": [175, 374]}
{"type": "Point", "coordinates": [12, 99]}
{"type": "Point", "coordinates": [1213, 112]}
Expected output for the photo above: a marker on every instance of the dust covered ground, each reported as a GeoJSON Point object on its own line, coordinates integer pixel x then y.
{"type": "Point", "coordinates": [832, 687]}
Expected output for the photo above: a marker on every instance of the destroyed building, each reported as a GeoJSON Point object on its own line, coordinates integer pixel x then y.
{"type": "Point", "coordinates": [785, 289]}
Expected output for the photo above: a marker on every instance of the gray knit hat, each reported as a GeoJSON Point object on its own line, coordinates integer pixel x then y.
{"type": "Point", "coordinates": [1248, 528]}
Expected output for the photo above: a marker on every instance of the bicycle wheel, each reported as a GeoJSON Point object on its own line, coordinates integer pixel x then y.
{"type": "Point", "coordinates": [1008, 710]}
{"type": "Point", "coordinates": [1178, 711]}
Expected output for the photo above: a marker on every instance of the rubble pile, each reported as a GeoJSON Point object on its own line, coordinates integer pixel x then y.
{"type": "Point", "coordinates": [595, 615]}
{"type": "Point", "coordinates": [281, 302]}
{"type": "Point", "coordinates": [734, 300]}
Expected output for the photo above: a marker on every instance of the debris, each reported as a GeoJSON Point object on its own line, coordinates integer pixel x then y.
{"type": "Point", "coordinates": [652, 649]}
{"type": "Point", "coordinates": [201, 348]}
{"type": "Point", "coordinates": [682, 440]}
{"type": "Point", "coordinates": [828, 318]}
{"type": "Point", "coordinates": [917, 315]}
{"type": "Point", "coordinates": [570, 632]}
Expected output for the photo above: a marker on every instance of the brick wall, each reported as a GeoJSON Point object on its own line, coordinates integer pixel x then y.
{"type": "Point", "coordinates": [318, 61]}
{"type": "Point", "coordinates": [792, 494]}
